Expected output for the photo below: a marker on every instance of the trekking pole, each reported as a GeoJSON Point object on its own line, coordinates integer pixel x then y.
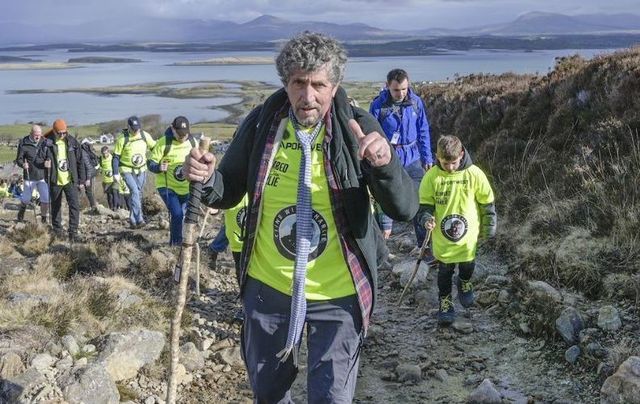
{"type": "Point", "coordinates": [197, 245]}
{"type": "Point", "coordinates": [423, 248]}
{"type": "Point", "coordinates": [166, 197]}
{"type": "Point", "coordinates": [190, 224]}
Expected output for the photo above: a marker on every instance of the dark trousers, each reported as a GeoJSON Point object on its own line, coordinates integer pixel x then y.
{"type": "Point", "coordinates": [125, 201]}
{"type": "Point", "coordinates": [445, 273]}
{"type": "Point", "coordinates": [334, 337]}
{"type": "Point", "coordinates": [71, 194]}
{"type": "Point", "coordinates": [113, 195]}
{"type": "Point", "coordinates": [88, 189]}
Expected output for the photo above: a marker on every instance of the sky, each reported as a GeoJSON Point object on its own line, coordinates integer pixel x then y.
{"type": "Point", "coordinates": [389, 14]}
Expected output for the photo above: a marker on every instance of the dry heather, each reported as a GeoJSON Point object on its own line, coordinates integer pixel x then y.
{"type": "Point", "coordinates": [563, 152]}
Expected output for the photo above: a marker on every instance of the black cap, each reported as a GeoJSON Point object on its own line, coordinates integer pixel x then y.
{"type": "Point", "coordinates": [181, 125]}
{"type": "Point", "coordinates": [134, 123]}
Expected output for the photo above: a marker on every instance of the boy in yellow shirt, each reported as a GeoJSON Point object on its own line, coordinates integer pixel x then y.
{"type": "Point", "coordinates": [457, 194]}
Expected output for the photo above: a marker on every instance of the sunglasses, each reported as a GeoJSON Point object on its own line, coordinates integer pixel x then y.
{"type": "Point", "coordinates": [63, 133]}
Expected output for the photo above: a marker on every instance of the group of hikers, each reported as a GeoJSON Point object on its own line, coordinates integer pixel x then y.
{"type": "Point", "coordinates": [296, 184]}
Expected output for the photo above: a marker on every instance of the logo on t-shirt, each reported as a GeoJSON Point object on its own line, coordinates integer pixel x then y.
{"type": "Point", "coordinates": [178, 173]}
{"type": "Point", "coordinates": [284, 233]}
{"type": "Point", "coordinates": [137, 160]}
{"type": "Point", "coordinates": [63, 165]}
{"type": "Point", "coordinates": [454, 227]}
{"type": "Point", "coordinates": [241, 216]}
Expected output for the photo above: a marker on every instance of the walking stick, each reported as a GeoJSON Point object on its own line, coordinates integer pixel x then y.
{"type": "Point", "coordinates": [415, 270]}
{"type": "Point", "coordinates": [191, 222]}
{"type": "Point", "coordinates": [197, 246]}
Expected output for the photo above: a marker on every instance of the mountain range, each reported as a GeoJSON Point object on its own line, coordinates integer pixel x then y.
{"type": "Point", "coordinates": [270, 28]}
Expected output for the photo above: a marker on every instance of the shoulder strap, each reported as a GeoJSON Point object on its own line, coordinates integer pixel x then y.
{"type": "Point", "coordinates": [126, 137]}
{"type": "Point", "coordinates": [168, 140]}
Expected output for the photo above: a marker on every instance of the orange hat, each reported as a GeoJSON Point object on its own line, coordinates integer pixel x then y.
{"type": "Point", "coordinates": [59, 125]}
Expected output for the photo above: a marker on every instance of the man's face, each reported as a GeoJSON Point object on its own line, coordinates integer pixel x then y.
{"type": "Point", "coordinates": [310, 95]}
{"type": "Point", "coordinates": [398, 90]}
{"type": "Point", "coordinates": [36, 134]}
{"type": "Point", "coordinates": [450, 166]}
{"type": "Point", "coordinates": [178, 136]}
{"type": "Point", "coordinates": [61, 134]}
{"type": "Point", "coordinates": [456, 229]}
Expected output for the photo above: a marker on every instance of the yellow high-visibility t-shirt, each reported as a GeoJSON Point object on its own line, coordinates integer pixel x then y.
{"type": "Point", "coordinates": [273, 258]}
{"type": "Point", "coordinates": [64, 177]}
{"type": "Point", "coordinates": [174, 178]}
{"type": "Point", "coordinates": [456, 197]}
{"type": "Point", "coordinates": [133, 153]}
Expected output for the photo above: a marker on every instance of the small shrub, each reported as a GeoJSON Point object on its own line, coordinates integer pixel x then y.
{"type": "Point", "coordinates": [101, 302]}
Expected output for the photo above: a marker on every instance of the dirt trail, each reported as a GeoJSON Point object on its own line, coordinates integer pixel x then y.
{"type": "Point", "coordinates": [453, 361]}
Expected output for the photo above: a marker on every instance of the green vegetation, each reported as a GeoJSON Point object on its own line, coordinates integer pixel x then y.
{"type": "Point", "coordinates": [563, 151]}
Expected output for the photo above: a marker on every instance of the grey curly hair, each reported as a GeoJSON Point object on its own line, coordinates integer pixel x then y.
{"type": "Point", "coordinates": [310, 51]}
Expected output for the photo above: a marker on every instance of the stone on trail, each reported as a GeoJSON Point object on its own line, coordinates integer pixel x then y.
{"type": "Point", "coordinates": [572, 354]}
{"type": "Point", "coordinates": [10, 365]}
{"type": "Point", "coordinates": [543, 290]}
{"type": "Point", "coordinates": [409, 373]}
{"type": "Point", "coordinates": [90, 385]}
{"type": "Point", "coordinates": [486, 393]}
{"type": "Point", "coordinates": [125, 353]}
{"type": "Point", "coordinates": [624, 385]}
{"type": "Point", "coordinates": [609, 319]}
{"type": "Point", "coordinates": [569, 325]}
{"type": "Point", "coordinates": [191, 357]}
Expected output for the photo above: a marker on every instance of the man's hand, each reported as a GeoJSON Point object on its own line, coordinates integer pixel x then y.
{"type": "Point", "coordinates": [87, 183]}
{"type": "Point", "coordinates": [427, 166]}
{"type": "Point", "coordinates": [81, 187]}
{"type": "Point", "coordinates": [25, 165]}
{"type": "Point", "coordinates": [430, 224]}
{"type": "Point", "coordinates": [47, 163]}
{"type": "Point", "coordinates": [116, 177]}
{"type": "Point", "coordinates": [198, 166]}
{"type": "Point", "coordinates": [373, 146]}
{"type": "Point", "coordinates": [164, 166]}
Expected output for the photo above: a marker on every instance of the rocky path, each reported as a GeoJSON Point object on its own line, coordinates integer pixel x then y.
{"type": "Point", "coordinates": [488, 355]}
{"type": "Point", "coordinates": [407, 356]}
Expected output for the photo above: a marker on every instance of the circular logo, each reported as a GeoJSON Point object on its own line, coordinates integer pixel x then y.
{"type": "Point", "coordinates": [137, 160]}
{"type": "Point", "coordinates": [454, 227]}
{"type": "Point", "coordinates": [177, 172]}
{"type": "Point", "coordinates": [241, 216]}
{"type": "Point", "coordinates": [284, 233]}
{"type": "Point", "coordinates": [63, 165]}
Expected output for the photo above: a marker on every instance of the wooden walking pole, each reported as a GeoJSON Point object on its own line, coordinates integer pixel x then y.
{"type": "Point", "coordinates": [197, 245]}
{"type": "Point", "coordinates": [190, 226]}
{"type": "Point", "coordinates": [423, 248]}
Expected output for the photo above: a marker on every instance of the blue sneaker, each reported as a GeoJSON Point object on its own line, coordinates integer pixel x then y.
{"type": "Point", "coordinates": [446, 312]}
{"type": "Point", "coordinates": [465, 293]}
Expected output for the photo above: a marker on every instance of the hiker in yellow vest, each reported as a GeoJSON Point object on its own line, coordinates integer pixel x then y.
{"type": "Point", "coordinates": [166, 160]}
{"type": "Point", "coordinates": [61, 157]}
{"type": "Point", "coordinates": [457, 204]}
{"type": "Point", "coordinates": [130, 160]}
{"type": "Point", "coordinates": [109, 186]}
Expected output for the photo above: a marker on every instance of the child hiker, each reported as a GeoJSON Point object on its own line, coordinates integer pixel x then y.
{"type": "Point", "coordinates": [458, 196]}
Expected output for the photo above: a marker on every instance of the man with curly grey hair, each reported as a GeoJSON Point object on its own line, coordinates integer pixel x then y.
{"type": "Point", "coordinates": [307, 160]}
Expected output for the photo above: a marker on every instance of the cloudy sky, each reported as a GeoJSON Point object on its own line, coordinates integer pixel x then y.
{"type": "Point", "coordinates": [393, 14]}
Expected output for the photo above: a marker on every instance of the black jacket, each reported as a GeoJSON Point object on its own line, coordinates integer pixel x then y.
{"type": "Point", "coordinates": [88, 162]}
{"type": "Point", "coordinates": [28, 151]}
{"type": "Point", "coordinates": [390, 185]}
{"type": "Point", "coordinates": [49, 151]}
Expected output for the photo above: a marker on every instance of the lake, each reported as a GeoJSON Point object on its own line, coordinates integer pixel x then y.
{"type": "Point", "coordinates": [78, 108]}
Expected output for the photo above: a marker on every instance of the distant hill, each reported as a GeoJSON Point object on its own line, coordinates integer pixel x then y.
{"type": "Point", "coordinates": [269, 28]}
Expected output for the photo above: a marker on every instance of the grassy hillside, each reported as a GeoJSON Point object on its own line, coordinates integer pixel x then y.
{"type": "Point", "coordinates": [563, 152]}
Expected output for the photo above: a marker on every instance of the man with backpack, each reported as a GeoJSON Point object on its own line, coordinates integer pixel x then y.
{"type": "Point", "coordinates": [167, 159]}
{"type": "Point", "coordinates": [403, 118]}
{"type": "Point", "coordinates": [130, 158]}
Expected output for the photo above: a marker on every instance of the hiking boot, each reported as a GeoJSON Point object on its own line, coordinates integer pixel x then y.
{"type": "Point", "coordinates": [76, 238]}
{"type": "Point", "coordinates": [43, 219]}
{"type": "Point", "coordinates": [141, 225]}
{"type": "Point", "coordinates": [446, 312]}
{"type": "Point", "coordinates": [465, 293]}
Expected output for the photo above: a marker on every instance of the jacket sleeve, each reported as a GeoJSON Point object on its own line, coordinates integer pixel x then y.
{"type": "Point", "coordinates": [228, 184]}
{"type": "Point", "coordinates": [424, 137]}
{"type": "Point", "coordinates": [42, 154]}
{"type": "Point", "coordinates": [425, 213]}
{"type": "Point", "coordinates": [390, 185]}
{"type": "Point", "coordinates": [82, 166]}
{"type": "Point", "coordinates": [488, 220]}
